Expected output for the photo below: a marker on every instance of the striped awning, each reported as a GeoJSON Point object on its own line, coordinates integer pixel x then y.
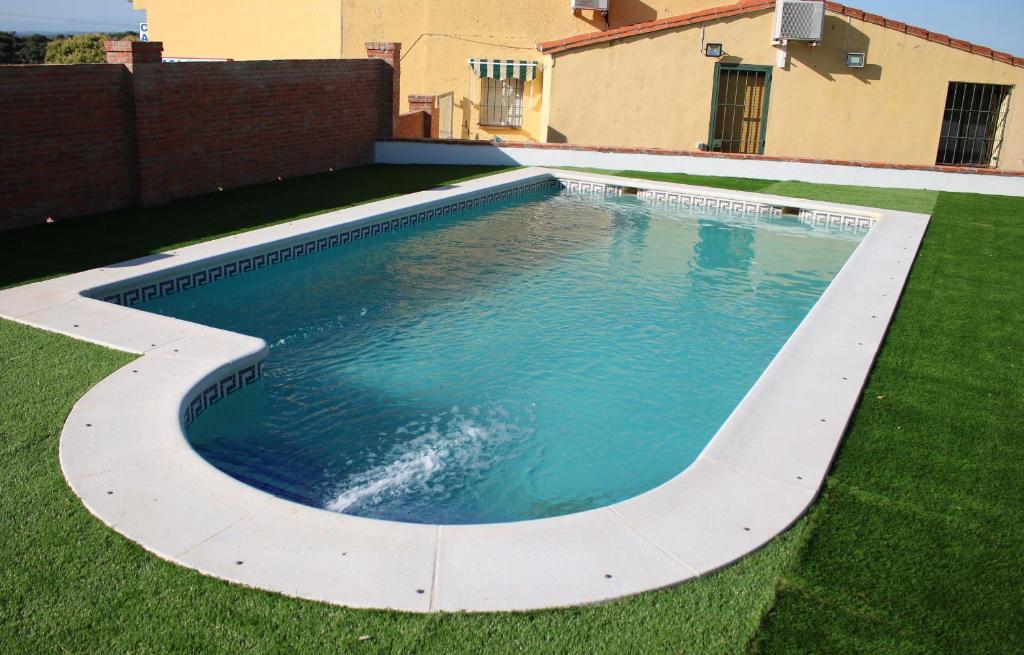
{"type": "Point", "coordinates": [504, 69]}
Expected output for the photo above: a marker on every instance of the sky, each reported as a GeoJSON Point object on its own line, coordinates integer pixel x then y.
{"type": "Point", "coordinates": [997, 24]}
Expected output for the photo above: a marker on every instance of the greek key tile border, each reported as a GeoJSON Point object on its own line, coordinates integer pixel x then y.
{"type": "Point", "coordinates": [592, 188]}
{"type": "Point", "coordinates": [214, 393]}
{"type": "Point", "coordinates": [807, 216]}
{"type": "Point", "coordinates": [710, 202]}
{"type": "Point", "coordinates": [832, 219]}
{"type": "Point", "coordinates": [183, 281]}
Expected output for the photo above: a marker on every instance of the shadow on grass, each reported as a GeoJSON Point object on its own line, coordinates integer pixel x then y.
{"type": "Point", "coordinates": [48, 250]}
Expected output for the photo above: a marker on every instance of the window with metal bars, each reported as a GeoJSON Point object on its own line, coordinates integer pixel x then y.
{"type": "Point", "coordinates": [739, 111]}
{"type": "Point", "coordinates": [973, 124]}
{"type": "Point", "coordinates": [501, 103]}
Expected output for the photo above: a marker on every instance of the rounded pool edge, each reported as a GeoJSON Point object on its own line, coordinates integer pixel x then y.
{"type": "Point", "coordinates": [124, 453]}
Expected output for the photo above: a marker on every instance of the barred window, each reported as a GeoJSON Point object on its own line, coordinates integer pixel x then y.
{"type": "Point", "coordinates": [501, 103]}
{"type": "Point", "coordinates": [973, 124]}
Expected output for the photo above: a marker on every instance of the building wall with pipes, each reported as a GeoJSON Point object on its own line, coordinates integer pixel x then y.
{"type": "Point", "coordinates": [655, 91]}
{"type": "Point", "coordinates": [438, 39]}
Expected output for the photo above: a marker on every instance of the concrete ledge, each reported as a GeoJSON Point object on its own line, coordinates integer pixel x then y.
{"type": "Point", "coordinates": [987, 181]}
{"type": "Point", "coordinates": [124, 452]}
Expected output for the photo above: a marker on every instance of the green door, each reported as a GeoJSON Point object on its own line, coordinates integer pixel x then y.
{"type": "Point", "coordinates": [739, 108]}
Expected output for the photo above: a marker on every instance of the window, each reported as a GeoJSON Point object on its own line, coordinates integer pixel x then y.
{"type": "Point", "coordinates": [501, 103]}
{"type": "Point", "coordinates": [972, 126]}
{"type": "Point", "coordinates": [739, 113]}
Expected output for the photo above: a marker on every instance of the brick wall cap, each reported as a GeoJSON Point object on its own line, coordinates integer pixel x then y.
{"type": "Point", "coordinates": [117, 46]}
{"type": "Point", "coordinates": [132, 46]}
{"type": "Point", "coordinates": [383, 46]}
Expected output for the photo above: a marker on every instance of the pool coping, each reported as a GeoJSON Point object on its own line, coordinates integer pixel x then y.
{"type": "Point", "coordinates": [124, 452]}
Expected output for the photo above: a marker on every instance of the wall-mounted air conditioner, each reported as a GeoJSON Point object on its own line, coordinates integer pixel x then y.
{"type": "Point", "coordinates": [798, 20]}
{"type": "Point", "coordinates": [596, 5]}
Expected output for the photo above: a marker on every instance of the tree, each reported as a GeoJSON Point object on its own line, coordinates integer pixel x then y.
{"type": "Point", "coordinates": [83, 48]}
{"type": "Point", "coordinates": [9, 44]}
{"type": "Point", "coordinates": [77, 49]}
{"type": "Point", "coordinates": [16, 49]}
{"type": "Point", "coordinates": [33, 49]}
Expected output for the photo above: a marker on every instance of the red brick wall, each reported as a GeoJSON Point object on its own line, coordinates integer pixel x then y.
{"type": "Point", "coordinates": [65, 142]}
{"type": "Point", "coordinates": [207, 125]}
{"type": "Point", "coordinates": [414, 125]}
{"type": "Point", "coordinates": [82, 139]}
{"type": "Point", "coordinates": [390, 54]}
{"type": "Point", "coordinates": [431, 124]}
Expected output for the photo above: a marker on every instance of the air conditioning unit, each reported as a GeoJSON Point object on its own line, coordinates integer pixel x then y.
{"type": "Point", "coordinates": [596, 5]}
{"type": "Point", "coordinates": [798, 20]}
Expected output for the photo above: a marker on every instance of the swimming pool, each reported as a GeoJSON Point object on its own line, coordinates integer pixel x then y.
{"type": "Point", "coordinates": [539, 356]}
{"type": "Point", "coordinates": [125, 453]}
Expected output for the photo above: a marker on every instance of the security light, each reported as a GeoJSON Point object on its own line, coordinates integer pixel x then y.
{"type": "Point", "coordinates": [855, 59]}
{"type": "Point", "coordinates": [713, 50]}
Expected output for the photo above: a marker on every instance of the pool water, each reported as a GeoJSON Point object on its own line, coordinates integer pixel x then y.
{"type": "Point", "coordinates": [535, 358]}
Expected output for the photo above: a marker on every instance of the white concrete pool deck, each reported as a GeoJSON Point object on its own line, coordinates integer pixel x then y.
{"type": "Point", "coordinates": [124, 452]}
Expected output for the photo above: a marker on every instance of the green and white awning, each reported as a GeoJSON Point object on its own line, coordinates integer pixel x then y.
{"type": "Point", "coordinates": [504, 69]}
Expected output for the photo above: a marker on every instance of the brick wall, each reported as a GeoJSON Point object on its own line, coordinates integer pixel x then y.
{"type": "Point", "coordinates": [81, 139]}
{"type": "Point", "coordinates": [390, 54]}
{"type": "Point", "coordinates": [207, 125]}
{"type": "Point", "coordinates": [413, 125]}
{"type": "Point", "coordinates": [421, 122]}
{"type": "Point", "coordinates": [65, 142]}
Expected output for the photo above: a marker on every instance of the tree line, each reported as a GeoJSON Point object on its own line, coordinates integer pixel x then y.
{"type": "Point", "coordinates": [61, 49]}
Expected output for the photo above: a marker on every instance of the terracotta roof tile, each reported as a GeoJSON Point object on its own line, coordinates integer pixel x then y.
{"type": "Point", "coordinates": [874, 18]}
{"type": "Point", "coordinates": [966, 46]}
{"type": "Point", "coordinates": [750, 6]}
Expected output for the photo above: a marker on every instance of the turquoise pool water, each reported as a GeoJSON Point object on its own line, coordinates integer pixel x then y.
{"type": "Point", "coordinates": [536, 358]}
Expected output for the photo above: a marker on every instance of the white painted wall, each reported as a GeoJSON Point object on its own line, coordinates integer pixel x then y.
{"type": "Point", "coordinates": [404, 152]}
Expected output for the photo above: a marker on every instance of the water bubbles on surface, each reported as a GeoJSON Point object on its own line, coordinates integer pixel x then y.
{"type": "Point", "coordinates": [447, 452]}
{"type": "Point", "coordinates": [362, 312]}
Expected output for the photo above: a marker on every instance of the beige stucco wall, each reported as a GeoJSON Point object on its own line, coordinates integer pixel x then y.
{"type": "Point", "coordinates": [438, 38]}
{"type": "Point", "coordinates": [242, 29]}
{"type": "Point", "coordinates": [655, 91]}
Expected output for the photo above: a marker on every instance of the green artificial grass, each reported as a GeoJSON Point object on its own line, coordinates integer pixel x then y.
{"type": "Point", "coordinates": [914, 546]}
{"type": "Point", "coordinates": [70, 584]}
{"type": "Point", "coordinates": [53, 249]}
{"type": "Point", "coordinates": [918, 543]}
{"type": "Point", "coordinates": [908, 200]}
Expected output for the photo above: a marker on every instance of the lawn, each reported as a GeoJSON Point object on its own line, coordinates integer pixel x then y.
{"type": "Point", "coordinates": [915, 545]}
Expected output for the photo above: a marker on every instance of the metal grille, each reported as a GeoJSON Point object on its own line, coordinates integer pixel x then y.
{"type": "Point", "coordinates": [740, 111]}
{"type": "Point", "coordinates": [501, 103]}
{"type": "Point", "coordinates": [973, 124]}
{"type": "Point", "coordinates": [800, 21]}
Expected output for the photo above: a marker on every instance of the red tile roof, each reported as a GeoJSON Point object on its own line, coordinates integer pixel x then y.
{"type": "Point", "coordinates": [753, 6]}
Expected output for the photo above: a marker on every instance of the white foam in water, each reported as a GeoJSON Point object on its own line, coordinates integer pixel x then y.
{"type": "Point", "coordinates": [462, 446]}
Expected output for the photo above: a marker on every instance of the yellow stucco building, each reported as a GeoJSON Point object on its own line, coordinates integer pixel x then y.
{"type": "Point", "coordinates": [639, 75]}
